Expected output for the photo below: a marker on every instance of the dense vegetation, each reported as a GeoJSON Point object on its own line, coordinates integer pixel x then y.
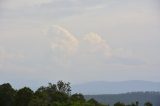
{"type": "Point", "coordinates": [52, 95]}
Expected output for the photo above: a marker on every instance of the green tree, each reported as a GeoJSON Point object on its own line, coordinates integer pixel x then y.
{"type": "Point", "coordinates": [93, 102]}
{"type": "Point", "coordinates": [36, 101]}
{"type": "Point", "coordinates": [64, 87]}
{"type": "Point", "coordinates": [137, 103]}
{"type": "Point", "coordinates": [52, 95]}
{"type": "Point", "coordinates": [7, 94]}
{"type": "Point", "coordinates": [23, 97]}
{"type": "Point", "coordinates": [77, 97]}
{"type": "Point", "coordinates": [46, 92]}
{"type": "Point", "coordinates": [134, 104]}
{"type": "Point", "coordinates": [119, 104]}
{"type": "Point", "coordinates": [40, 98]}
{"type": "Point", "coordinates": [51, 88]}
{"type": "Point", "coordinates": [148, 104]}
{"type": "Point", "coordinates": [59, 97]}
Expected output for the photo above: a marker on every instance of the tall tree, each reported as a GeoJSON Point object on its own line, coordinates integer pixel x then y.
{"type": "Point", "coordinates": [23, 97]}
{"type": "Point", "coordinates": [64, 87]}
{"type": "Point", "coordinates": [7, 94]}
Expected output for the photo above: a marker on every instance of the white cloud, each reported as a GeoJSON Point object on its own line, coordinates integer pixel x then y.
{"type": "Point", "coordinates": [65, 44]}
{"type": "Point", "coordinates": [62, 41]}
{"type": "Point", "coordinates": [98, 43]}
{"type": "Point", "coordinates": [92, 48]}
{"type": "Point", "coordinates": [124, 25]}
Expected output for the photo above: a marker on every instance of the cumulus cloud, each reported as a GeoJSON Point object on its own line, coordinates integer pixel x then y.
{"type": "Point", "coordinates": [89, 47]}
{"type": "Point", "coordinates": [98, 43]}
{"type": "Point", "coordinates": [62, 41]}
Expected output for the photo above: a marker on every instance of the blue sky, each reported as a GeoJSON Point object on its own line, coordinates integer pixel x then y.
{"type": "Point", "coordinates": [79, 40]}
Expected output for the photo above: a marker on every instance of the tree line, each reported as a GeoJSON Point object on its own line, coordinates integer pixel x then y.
{"type": "Point", "coordinates": [58, 94]}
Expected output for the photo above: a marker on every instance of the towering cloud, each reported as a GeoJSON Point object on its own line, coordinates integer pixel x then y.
{"type": "Point", "coordinates": [90, 47]}
{"type": "Point", "coordinates": [98, 44]}
{"type": "Point", "coordinates": [62, 41]}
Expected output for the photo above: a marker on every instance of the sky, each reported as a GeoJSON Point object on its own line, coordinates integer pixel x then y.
{"type": "Point", "coordinates": [79, 41]}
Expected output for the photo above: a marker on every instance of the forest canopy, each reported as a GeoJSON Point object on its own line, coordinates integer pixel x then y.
{"type": "Point", "coordinates": [58, 94]}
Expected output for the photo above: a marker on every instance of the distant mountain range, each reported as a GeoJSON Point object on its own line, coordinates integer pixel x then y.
{"type": "Point", "coordinates": [102, 87]}
{"type": "Point", "coordinates": [128, 98]}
